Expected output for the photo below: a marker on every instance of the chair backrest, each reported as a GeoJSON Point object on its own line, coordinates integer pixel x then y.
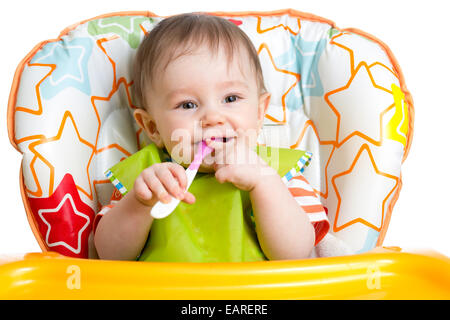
{"type": "Point", "coordinates": [337, 93]}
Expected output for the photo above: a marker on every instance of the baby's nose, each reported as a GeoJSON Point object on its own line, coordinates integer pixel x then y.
{"type": "Point", "coordinates": [212, 117]}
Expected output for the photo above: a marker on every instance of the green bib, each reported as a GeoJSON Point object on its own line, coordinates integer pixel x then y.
{"type": "Point", "coordinates": [219, 226]}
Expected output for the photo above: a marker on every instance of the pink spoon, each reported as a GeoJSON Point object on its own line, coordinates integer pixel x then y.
{"type": "Point", "coordinates": [161, 210]}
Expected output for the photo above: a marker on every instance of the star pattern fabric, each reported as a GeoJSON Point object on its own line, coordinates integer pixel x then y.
{"type": "Point", "coordinates": [348, 106]}
{"type": "Point", "coordinates": [283, 82]}
{"type": "Point", "coordinates": [70, 58]}
{"type": "Point", "coordinates": [128, 28]}
{"type": "Point", "coordinates": [64, 220]}
{"type": "Point", "coordinates": [303, 59]}
{"type": "Point", "coordinates": [78, 155]}
{"type": "Point", "coordinates": [397, 128]}
{"type": "Point", "coordinates": [362, 201]}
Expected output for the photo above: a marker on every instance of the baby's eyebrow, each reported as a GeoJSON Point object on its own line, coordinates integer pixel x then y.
{"type": "Point", "coordinates": [179, 91]}
{"type": "Point", "coordinates": [221, 85]}
{"type": "Point", "coordinates": [232, 83]}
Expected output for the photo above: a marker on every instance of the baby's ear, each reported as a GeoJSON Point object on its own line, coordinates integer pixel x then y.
{"type": "Point", "coordinates": [264, 100]}
{"type": "Point", "coordinates": [145, 121]}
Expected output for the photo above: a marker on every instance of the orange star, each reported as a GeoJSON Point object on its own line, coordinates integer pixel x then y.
{"type": "Point", "coordinates": [283, 98]}
{"type": "Point", "coordinates": [359, 198]}
{"type": "Point", "coordinates": [353, 119]}
{"type": "Point", "coordinates": [352, 54]}
{"type": "Point", "coordinates": [56, 147]}
{"type": "Point", "coordinates": [281, 25]}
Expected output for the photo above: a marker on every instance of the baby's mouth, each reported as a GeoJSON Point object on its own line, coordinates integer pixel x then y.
{"type": "Point", "coordinates": [222, 139]}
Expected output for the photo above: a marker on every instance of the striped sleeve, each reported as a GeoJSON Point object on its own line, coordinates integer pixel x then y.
{"type": "Point", "coordinates": [305, 196]}
{"type": "Point", "coordinates": [115, 197]}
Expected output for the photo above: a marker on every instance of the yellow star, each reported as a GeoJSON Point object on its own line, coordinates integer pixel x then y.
{"type": "Point", "coordinates": [397, 127]}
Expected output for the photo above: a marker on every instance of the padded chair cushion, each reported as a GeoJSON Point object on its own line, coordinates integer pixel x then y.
{"type": "Point", "coordinates": [337, 93]}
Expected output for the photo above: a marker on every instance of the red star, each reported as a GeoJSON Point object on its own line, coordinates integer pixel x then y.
{"type": "Point", "coordinates": [64, 220]}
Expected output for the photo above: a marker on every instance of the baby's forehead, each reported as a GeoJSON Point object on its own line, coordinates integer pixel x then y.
{"type": "Point", "coordinates": [235, 62]}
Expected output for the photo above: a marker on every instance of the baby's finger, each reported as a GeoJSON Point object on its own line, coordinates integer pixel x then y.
{"type": "Point", "coordinates": [169, 182]}
{"type": "Point", "coordinates": [141, 190]}
{"type": "Point", "coordinates": [189, 197]}
{"type": "Point", "coordinates": [155, 186]}
{"type": "Point", "coordinates": [222, 174]}
{"type": "Point", "coordinates": [179, 173]}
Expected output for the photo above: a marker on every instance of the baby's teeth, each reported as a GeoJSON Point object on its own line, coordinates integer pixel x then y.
{"type": "Point", "coordinates": [222, 139]}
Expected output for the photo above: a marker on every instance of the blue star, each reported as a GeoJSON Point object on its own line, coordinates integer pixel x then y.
{"type": "Point", "coordinates": [71, 60]}
{"type": "Point", "coordinates": [303, 59]}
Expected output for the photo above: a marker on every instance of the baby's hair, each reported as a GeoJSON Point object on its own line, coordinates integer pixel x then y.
{"type": "Point", "coordinates": [182, 34]}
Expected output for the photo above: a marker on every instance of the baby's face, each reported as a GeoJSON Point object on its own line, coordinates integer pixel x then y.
{"type": "Point", "coordinates": [200, 96]}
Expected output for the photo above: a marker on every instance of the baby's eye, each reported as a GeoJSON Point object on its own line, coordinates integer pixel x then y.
{"type": "Point", "coordinates": [187, 105]}
{"type": "Point", "coordinates": [231, 98]}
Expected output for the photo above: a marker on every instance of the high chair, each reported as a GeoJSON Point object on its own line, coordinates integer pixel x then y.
{"type": "Point", "coordinates": [338, 93]}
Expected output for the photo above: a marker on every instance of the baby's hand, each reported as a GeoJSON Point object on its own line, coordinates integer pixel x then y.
{"type": "Point", "coordinates": [161, 181]}
{"type": "Point", "coordinates": [236, 163]}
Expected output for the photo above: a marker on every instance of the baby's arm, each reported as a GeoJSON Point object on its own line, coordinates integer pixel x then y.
{"type": "Point", "coordinates": [122, 232]}
{"type": "Point", "coordinates": [283, 227]}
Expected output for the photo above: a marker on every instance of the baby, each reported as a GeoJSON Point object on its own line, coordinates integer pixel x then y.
{"type": "Point", "coordinates": [198, 77]}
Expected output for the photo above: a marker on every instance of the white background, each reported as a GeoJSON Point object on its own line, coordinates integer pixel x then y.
{"type": "Point", "coordinates": [415, 31]}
